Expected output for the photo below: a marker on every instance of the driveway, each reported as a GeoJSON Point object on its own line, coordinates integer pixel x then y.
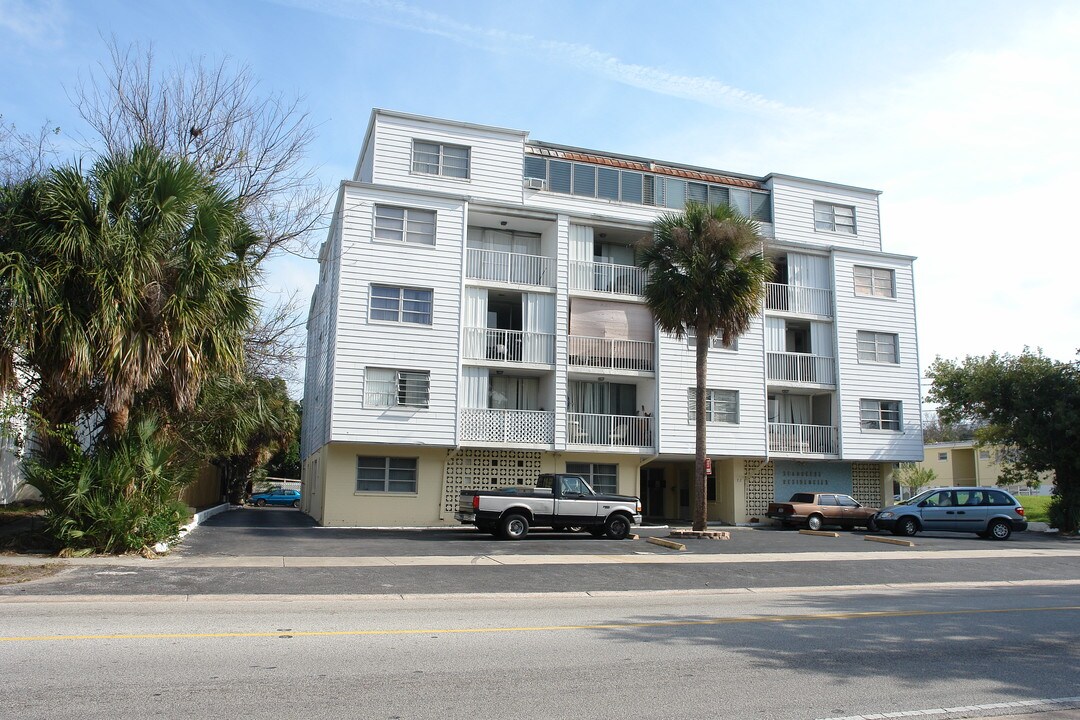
{"type": "Point", "coordinates": [291, 533]}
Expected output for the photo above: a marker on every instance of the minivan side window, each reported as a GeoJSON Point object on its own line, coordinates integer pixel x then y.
{"type": "Point", "coordinates": [999, 498]}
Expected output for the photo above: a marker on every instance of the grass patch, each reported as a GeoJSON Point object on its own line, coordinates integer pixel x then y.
{"type": "Point", "coordinates": [14, 574]}
{"type": "Point", "coordinates": [1035, 507]}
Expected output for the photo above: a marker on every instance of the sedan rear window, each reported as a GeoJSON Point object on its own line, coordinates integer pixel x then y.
{"type": "Point", "coordinates": [802, 498]}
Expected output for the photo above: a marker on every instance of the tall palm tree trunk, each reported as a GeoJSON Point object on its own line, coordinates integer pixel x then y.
{"type": "Point", "coordinates": [700, 514]}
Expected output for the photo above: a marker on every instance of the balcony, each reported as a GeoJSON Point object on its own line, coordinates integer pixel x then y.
{"type": "Point", "coordinates": [801, 368]}
{"type": "Point", "coordinates": [517, 427]}
{"type": "Point", "coordinates": [508, 267]}
{"type": "Point", "coordinates": [611, 430]}
{"type": "Point", "coordinates": [797, 299]}
{"type": "Point", "coordinates": [789, 439]}
{"type": "Point", "coordinates": [515, 346]}
{"type": "Point", "coordinates": [607, 278]}
{"type": "Point", "coordinates": [610, 354]}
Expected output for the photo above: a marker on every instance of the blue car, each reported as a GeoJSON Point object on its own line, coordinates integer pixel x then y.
{"type": "Point", "coordinates": [276, 496]}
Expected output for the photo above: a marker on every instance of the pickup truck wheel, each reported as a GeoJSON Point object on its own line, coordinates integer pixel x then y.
{"type": "Point", "coordinates": [514, 527]}
{"type": "Point", "coordinates": [617, 527]}
{"type": "Point", "coordinates": [597, 532]}
{"type": "Point", "coordinates": [814, 522]}
{"type": "Point", "coordinates": [575, 528]}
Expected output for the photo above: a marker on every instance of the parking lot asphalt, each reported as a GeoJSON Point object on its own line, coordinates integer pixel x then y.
{"type": "Point", "coordinates": [266, 552]}
{"type": "Point", "coordinates": [284, 532]}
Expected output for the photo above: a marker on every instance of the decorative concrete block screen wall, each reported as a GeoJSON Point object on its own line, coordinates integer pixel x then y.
{"type": "Point", "coordinates": [487, 470]}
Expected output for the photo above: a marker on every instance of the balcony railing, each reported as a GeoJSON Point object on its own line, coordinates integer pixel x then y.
{"type": "Point", "coordinates": [607, 278]}
{"type": "Point", "coordinates": [508, 267]}
{"type": "Point", "coordinates": [526, 427]}
{"type": "Point", "coordinates": [801, 368]}
{"type": "Point", "coordinates": [797, 299]}
{"type": "Point", "coordinates": [610, 353]}
{"type": "Point", "coordinates": [509, 345]}
{"type": "Point", "coordinates": [613, 430]}
{"type": "Point", "coordinates": [802, 439]}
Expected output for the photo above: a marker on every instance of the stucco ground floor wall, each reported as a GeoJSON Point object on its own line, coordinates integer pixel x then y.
{"type": "Point", "coordinates": [740, 489]}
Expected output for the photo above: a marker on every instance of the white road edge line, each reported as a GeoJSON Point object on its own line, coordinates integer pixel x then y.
{"type": "Point", "coordinates": [1014, 705]}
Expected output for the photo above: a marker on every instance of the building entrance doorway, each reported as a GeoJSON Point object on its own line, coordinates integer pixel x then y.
{"type": "Point", "coordinates": [653, 487]}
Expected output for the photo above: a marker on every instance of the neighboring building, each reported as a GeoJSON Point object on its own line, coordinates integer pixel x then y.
{"type": "Point", "coordinates": [478, 320]}
{"type": "Point", "coordinates": [963, 463]}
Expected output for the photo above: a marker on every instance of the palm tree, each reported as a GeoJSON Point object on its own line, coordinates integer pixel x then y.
{"type": "Point", "coordinates": [707, 275]}
{"type": "Point", "coordinates": [131, 275]}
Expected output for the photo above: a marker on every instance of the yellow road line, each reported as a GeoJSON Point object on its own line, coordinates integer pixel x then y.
{"type": "Point", "coordinates": [542, 628]}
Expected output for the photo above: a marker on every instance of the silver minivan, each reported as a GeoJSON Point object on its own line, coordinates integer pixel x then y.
{"type": "Point", "coordinates": [987, 512]}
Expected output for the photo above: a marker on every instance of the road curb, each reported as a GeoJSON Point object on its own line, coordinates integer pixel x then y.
{"type": "Point", "coordinates": [575, 594]}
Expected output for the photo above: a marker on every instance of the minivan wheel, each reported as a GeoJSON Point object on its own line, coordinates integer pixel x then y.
{"type": "Point", "coordinates": [907, 526]}
{"type": "Point", "coordinates": [814, 522]}
{"type": "Point", "coordinates": [1000, 530]}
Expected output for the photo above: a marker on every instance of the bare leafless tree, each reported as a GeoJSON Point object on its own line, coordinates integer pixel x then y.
{"type": "Point", "coordinates": [275, 346]}
{"type": "Point", "coordinates": [211, 112]}
{"type": "Point", "coordinates": [25, 155]}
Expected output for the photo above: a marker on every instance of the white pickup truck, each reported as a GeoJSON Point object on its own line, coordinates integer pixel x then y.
{"type": "Point", "coordinates": [559, 501]}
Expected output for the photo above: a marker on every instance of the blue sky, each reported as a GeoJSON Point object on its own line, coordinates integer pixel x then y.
{"type": "Point", "coordinates": [964, 114]}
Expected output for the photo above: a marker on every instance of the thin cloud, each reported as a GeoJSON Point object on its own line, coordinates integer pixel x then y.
{"type": "Point", "coordinates": [704, 90]}
{"type": "Point", "coordinates": [39, 23]}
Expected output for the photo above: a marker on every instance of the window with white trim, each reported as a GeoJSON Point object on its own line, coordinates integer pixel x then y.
{"type": "Point", "coordinates": [834, 218]}
{"type": "Point", "coordinates": [604, 478]}
{"type": "Point", "coordinates": [386, 474]}
{"type": "Point", "coordinates": [716, 343]}
{"type": "Point", "coordinates": [387, 387]}
{"type": "Point", "coordinates": [721, 406]}
{"type": "Point", "coordinates": [440, 159]}
{"type": "Point", "coordinates": [403, 224]}
{"type": "Point", "coordinates": [401, 304]}
{"type": "Point", "coordinates": [875, 282]}
{"type": "Point", "coordinates": [877, 347]}
{"type": "Point", "coordinates": [880, 415]}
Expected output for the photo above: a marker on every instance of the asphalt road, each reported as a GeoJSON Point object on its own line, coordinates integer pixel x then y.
{"type": "Point", "coordinates": [774, 656]}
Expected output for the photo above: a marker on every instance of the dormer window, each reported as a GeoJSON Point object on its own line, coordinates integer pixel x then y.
{"type": "Point", "coordinates": [834, 218]}
{"type": "Point", "coordinates": [439, 159]}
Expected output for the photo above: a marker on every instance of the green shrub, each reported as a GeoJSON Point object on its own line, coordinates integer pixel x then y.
{"type": "Point", "coordinates": [119, 497]}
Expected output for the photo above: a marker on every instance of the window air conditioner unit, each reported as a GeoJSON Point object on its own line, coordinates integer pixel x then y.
{"type": "Point", "coordinates": [535, 184]}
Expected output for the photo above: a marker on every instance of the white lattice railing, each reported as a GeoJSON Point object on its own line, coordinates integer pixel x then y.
{"type": "Point", "coordinates": [801, 367]}
{"type": "Point", "coordinates": [507, 267]}
{"type": "Point", "coordinates": [617, 430]}
{"type": "Point", "coordinates": [529, 427]}
{"type": "Point", "coordinates": [607, 278]}
{"type": "Point", "coordinates": [509, 345]}
{"type": "Point", "coordinates": [802, 439]}
{"type": "Point", "coordinates": [798, 299]}
{"type": "Point", "coordinates": [610, 353]}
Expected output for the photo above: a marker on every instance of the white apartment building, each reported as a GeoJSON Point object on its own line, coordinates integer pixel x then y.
{"type": "Point", "coordinates": [478, 320]}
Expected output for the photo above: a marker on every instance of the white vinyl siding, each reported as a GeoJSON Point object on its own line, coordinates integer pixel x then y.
{"type": "Point", "coordinates": [874, 282]}
{"type": "Point", "coordinates": [793, 217]}
{"type": "Point", "coordinates": [403, 305]}
{"type": "Point", "coordinates": [385, 474]}
{"type": "Point", "coordinates": [721, 406]}
{"type": "Point", "coordinates": [432, 158]}
{"type": "Point", "coordinates": [881, 415]}
{"type": "Point", "coordinates": [402, 224]}
{"type": "Point", "coordinates": [877, 347]}
{"type": "Point", "coordinates": [834, 218]}
{"type": "Point", "coordinates": [385, 388]}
